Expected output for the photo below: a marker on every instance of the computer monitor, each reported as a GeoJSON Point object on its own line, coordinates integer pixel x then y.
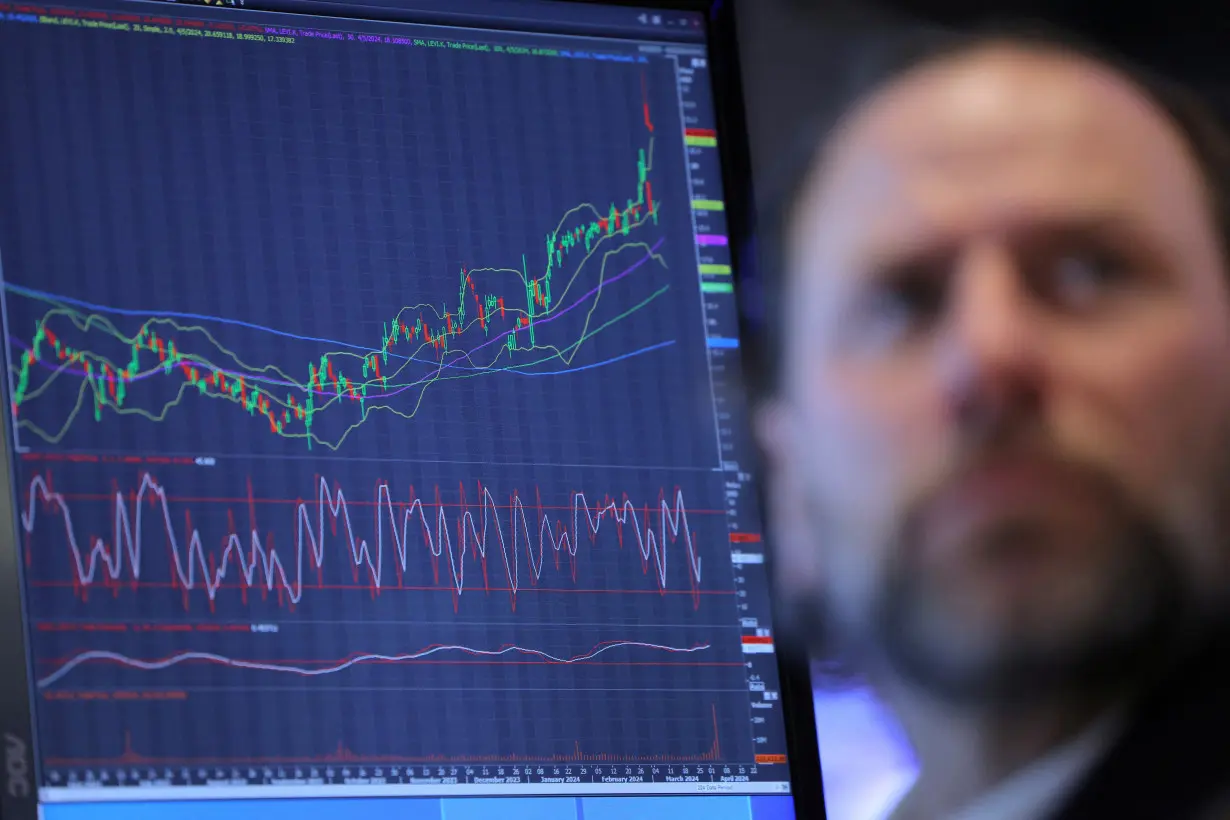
{"type": "Point", "coordinates": [372, 441]}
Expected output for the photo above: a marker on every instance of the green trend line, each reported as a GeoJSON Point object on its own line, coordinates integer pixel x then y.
{"type": "Point", "coordinates": [187, 388]}
{"type": "Point", "coordinates": [414, 331]}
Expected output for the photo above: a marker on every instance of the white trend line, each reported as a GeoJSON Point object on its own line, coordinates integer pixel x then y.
{"type": "Point", "coordinates": [127, 538]}
{"type": "Point", "coordinates": [181, 657]}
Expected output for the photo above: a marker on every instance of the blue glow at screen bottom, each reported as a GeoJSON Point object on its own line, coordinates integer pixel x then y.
{"type": "Point", "coordinates": [708, 807]}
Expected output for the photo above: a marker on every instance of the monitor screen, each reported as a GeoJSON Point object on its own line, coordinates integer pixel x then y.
{"type": "Point", "coordinates": [369, 401]}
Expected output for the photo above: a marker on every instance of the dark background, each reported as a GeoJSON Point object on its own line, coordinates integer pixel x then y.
{"type": "Point", "coordinates": [818, 46]}
{"type": "Point", "coordinates": [802, 61]}
{"type": "Point", "coordinates": [788, 44]}
{"type": "Point", "coordinates": [268, 185]}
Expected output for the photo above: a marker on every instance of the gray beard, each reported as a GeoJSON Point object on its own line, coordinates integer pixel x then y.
{"type": "Point", "coordinates": [1147, 617]}
{"type": "Point", "coordinates": [1150, 615]}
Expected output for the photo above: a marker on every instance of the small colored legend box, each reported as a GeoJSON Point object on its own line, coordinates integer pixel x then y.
{"type": "Point", "coordinates": [716, 287]}
{"type": "Point", "coordinates": [711, 239]}
{"type": "Point", "coordinates": [701, 137]}
{"type": "Point", "coordinates": [757, 645]}
{"type": "Point", "coordinates": [714, 270]}
{"type": "Point", "coordinates": [708, 205]}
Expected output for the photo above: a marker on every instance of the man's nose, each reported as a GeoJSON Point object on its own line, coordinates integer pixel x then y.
{"type": "Point", "coordinates": [990, 360]}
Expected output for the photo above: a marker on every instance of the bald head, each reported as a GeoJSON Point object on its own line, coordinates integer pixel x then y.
{"type": "Point", "coordinates": [1006, 278]}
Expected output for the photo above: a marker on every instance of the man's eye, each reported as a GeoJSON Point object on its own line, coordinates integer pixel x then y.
{"type": "Point", "coordinates": [1081, 278]}
{"type": "Point", "coordinates": [897, 310]}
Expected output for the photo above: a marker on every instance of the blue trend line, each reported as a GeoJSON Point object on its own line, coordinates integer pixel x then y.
{"type": "Point", "coordinates": [73, 371]}
{"type": "Point", "coordinates": [649, 349]}
{"type": "Point", "coordinates": [202, 317]}
{"type": "Point", "coordinates": [172, 314]}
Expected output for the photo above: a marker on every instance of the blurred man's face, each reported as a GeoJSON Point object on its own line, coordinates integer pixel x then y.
{"type": "Point", "coordinates": [1002, 448]}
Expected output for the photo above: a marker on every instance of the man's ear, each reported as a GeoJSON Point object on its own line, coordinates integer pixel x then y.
{"type": "Point", "coordinates": [770, 423]}
{"type": "Point", "coordinates": [776, 432]}
{"type": "Point", "coordinates": [798, 569]}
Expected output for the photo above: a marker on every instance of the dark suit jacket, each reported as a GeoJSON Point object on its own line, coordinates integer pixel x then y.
{"type": "Point", "coordinates": [1173, 760]}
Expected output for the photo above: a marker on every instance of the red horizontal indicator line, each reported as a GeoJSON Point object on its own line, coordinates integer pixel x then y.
{"type": "Point", "coordinates": [90, 626]}
{"type": "Point", "coordinates": [759, 639]}
{"type": "Point", "coordinates": [483, 531]}
{"type": "Point", "coordinates": [110, 498]}
{"type": "Point", "coordinates": [745, 538]}
{"type": "Point", "coordinates": [551, 663]}
{"type": "Point", "coordinates": [363, 588]}
{"type": "Point", "coordinates": [335, 662]}
{"type": "Point", "coordinates": [700, 132]}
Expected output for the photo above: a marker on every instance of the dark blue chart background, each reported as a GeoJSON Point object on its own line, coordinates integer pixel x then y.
{"type": "Point", "coordinates": [635, 580]}
{"type": "Point", "coordinates": [314, 188]}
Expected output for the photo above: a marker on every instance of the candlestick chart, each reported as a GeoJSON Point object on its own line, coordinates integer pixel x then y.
{"type": "Point", "coordinates": [294, 307]}
{"type": "Point", "coordinates": [484, 333]}
{"type": "Point", "coordinates": [364, 416]}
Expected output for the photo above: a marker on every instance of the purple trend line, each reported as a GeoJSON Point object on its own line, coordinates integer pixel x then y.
{"type": "Point", "coordinates": [356, 660]}
{"type": "Point", "coordinates": [575, 304]}
{"type": "Point", "coordinates": [434, 373]}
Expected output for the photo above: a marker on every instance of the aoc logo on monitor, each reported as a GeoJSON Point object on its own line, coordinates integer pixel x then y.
{"type": "Point", "coordinates": [16, 766]}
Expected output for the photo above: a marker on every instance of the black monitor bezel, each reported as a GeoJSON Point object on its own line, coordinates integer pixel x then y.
{"type": "Point", "coordinates": [19, 781]}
